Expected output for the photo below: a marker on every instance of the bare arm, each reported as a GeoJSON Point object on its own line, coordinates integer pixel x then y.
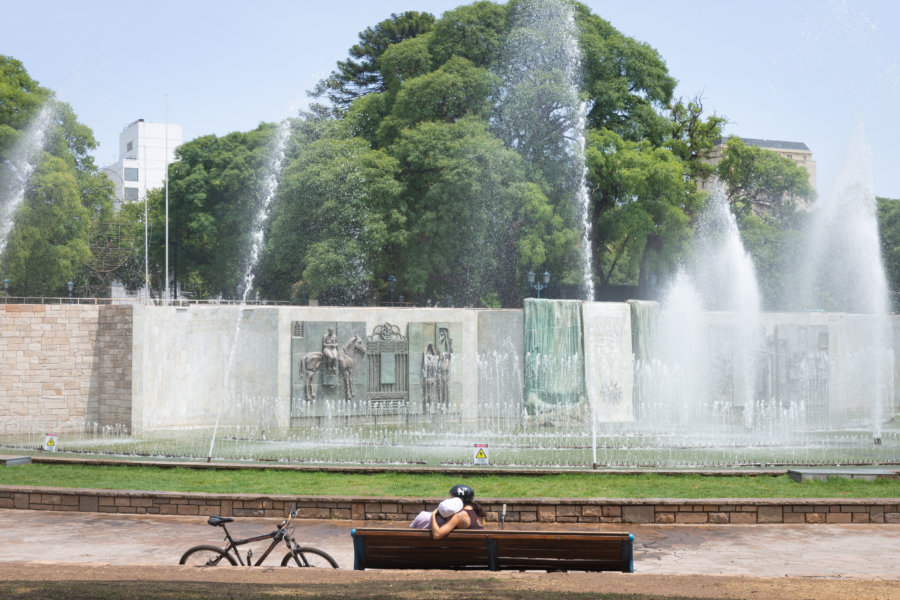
{"type": "Point", "coordinates": [460, 519]}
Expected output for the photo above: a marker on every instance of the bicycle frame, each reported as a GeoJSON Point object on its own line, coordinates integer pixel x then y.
{"type": "Point", "coordinates": [281, 533]}
{"type": "Point", "coordinates": [276, 536]}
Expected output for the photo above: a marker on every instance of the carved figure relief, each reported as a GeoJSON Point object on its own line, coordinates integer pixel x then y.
{"type": "Point", "coordinates": [436, 369]}
{"type": "Point", "coordinates": [330, 351]}
{"type": "Point", "coordinates": [343, 363]}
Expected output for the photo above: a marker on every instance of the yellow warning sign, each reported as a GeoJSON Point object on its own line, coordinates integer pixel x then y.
{"type": "Point", "coordinates": [50, 442]}
{"type": "Point", "coordinates": [481, 454]}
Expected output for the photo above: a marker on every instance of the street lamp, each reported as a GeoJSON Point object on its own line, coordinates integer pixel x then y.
{"type": "Point", "coordinates": [538, 286]}
{"type": "Point", "coordinates": [6, 291]}
{"type": "Point", "coordinates": [71, 286]}
{"type": "Point", "coordinates": [392, 283]}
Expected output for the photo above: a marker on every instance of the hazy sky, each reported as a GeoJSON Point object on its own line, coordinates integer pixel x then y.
{"type": "Point", "coordinates": [812, 71]}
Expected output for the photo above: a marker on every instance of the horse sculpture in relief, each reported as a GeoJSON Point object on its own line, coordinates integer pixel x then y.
{"type": "Point", "coordinates": [310, 364]}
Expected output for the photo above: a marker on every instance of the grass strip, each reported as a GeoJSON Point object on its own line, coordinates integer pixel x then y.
{"type": "Point", "coordinates": [393, 484]}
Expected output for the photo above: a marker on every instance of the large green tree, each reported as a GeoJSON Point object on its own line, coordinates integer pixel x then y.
{"type": "Point", "coordinates": [59, 207]}
{"type": "Point", "coordinates": [216, 189]}
{"type": "Point", "coordinates": [337, 207]}
{"type": "Point", "coordinates": [360, 74]}
{"type": "Point", "coordinates": [641, 209]}
{"type": "Point", "coordinates": [463, 213]}
{"type": "Point", "coordinates": [889, 230]}
{"type": "Point", "coordinates": [762, 182]}
{"type": "Point", "coordinates": [49, 243]}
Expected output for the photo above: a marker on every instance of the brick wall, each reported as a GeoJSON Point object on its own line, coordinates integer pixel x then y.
{"type": "Point", "coordinates": [522, 512]}
{"type": "Point", "coordinates": [64, 367]}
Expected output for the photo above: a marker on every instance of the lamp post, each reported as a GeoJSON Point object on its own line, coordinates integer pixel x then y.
{"type": "Point", "coordinates": [71, 286]}
{"type": "Point", "coordinates": [5, 291]}
{"type": "Point", "coordinates": [538, 285]}
{"type": "Point", "coordinates": [392, 283]}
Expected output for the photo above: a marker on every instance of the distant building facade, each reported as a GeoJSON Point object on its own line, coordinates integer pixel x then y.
{"type": "Point", "coordinates": [795, 151]}
{"type": "Point", "coordinates": [144, 151]}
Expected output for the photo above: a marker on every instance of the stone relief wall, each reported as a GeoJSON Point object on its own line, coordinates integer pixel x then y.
{"type": "Point", "coordinates": [340, 368]}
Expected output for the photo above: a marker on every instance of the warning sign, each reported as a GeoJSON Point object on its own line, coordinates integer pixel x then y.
{"type": "Point", "coordinates": [481, 454]}
{"type": "Point", "coordinates": [50, 442]}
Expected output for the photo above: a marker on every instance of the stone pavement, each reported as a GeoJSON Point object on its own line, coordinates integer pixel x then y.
{"type": "Point", "coordinates": [857, 551]}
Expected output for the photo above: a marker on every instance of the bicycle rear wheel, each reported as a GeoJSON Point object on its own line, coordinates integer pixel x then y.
{"type": "Point", "coordinates": [309, 557]}
{"type": "Point", "coordinates": [206, 556]}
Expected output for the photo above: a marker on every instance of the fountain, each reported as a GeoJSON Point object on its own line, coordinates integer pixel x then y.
{"type": "Point", "coordinates": [23, 158]}
{"type": "Point", "coordinates": [702, 378]}
{"type": "Point", "coordinates": [541, 73]}
{"type": "Point", "coordinates": [279, 144]}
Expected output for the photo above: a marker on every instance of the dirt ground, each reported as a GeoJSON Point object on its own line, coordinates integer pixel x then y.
{"type": "Point", "coordinates": [50, 555]}
{"type": "Point", "coordinates": [179, 581]}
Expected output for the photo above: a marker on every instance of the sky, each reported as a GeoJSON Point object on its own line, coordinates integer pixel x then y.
{"type": "Point", "coordinates": [821, 72]}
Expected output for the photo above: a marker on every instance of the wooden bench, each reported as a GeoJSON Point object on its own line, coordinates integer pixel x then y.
{"type": "Point", "coordinates": [493, 550]}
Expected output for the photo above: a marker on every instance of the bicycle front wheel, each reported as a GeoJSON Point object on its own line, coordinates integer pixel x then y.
{"type": "Point", "coordinates": [309, 557]}
{"type": "Point", "coordinates": [206, 556]}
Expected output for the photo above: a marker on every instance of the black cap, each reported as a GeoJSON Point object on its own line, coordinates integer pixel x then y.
{"type": "Point", "coordinates": [463, 491]}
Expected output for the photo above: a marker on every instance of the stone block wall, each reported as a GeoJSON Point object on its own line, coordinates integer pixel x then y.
{"type": "Point", "coordinates": [520, 513]}
{"type": "Point", "coordinates": [64, 367]}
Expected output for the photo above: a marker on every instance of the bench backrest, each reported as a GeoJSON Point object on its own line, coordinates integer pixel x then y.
{"type": "Point", "coordinates": [385, 548]}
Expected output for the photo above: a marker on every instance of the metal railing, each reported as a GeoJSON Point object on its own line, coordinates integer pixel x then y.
{"type": "Point", "coordinates": [147, 301]}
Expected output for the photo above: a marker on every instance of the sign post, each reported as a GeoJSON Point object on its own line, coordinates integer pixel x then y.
{"type": "Point", "coordinates": [481, 454]}
{"type": "Point", "coordinates": [50, 442]}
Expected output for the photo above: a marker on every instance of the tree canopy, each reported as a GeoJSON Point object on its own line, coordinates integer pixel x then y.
{"type": "Point", "coordinates": [454, 153]}
{"type": "Point", "coordinates": [63, 226]}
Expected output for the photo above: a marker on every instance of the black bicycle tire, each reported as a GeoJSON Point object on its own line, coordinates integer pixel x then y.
{"type": "Point", "coordinates": [290, 561]}
{"type": "Point", "coordinates": [213, 549]}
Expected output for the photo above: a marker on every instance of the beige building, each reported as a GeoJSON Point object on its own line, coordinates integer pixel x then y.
{"type": "Point", "coordinates": [796, 151]}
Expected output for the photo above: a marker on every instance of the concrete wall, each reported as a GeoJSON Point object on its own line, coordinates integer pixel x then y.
{"type": "Point", "coordinates": [148, 368]}
{"type": "Point", "coordinates": [185, 373]}
{"type": "Point", "coordinates": [64, 367]}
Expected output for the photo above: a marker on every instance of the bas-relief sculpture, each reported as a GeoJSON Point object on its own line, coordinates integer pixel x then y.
{"type": "Point", "coordinates": [337, 361]}
{"type": "Point", "coordinates": [380, 373]}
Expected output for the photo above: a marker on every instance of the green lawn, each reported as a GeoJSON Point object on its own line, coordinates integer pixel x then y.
{"type": "Point", "coordinates": [559, 485]}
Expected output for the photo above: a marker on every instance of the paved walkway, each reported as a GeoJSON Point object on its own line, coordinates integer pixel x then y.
{"type": "Point", "coordinates": [831, 551]}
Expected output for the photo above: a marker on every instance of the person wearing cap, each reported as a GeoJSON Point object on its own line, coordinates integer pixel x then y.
{"type": "Point", "coordinates": [446, 509]}
{"type": "Point", "coordinates": [471, 515]}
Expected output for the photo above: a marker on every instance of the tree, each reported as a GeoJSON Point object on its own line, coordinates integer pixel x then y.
{"type": "Point", "coordinates": [462, 217]}
{"type": "Point", "coordinates": [473, 32]}
{"type": "Point", "coordinates": [337, 202]}
{"type": "Point", "coordinates": [626, 80]}
{"type": "Point", "coordinates": [44, 153]}
{"type": "Point", "coordinates": [641, 207]}
{"type": "Point", "coordinates": [360, 74]}
{"type": "Point", "coordinates": [20, 100]}
{"type": "Point", "coordinates": [762, 182]}
{"type": "Point", "coordinates": [49, 243]}
{"type": "Point", "coordinates": [889, 230]}
{"type": "Point", "coordinates": [456, 89]}
{"type": "Point", "coordinates": [694, 138]}
{"type": "Point", "coordinates": [215, 191]}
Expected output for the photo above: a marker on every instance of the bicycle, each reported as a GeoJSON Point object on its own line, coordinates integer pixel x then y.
{"type": "Point", "coordinates": [297, 555]}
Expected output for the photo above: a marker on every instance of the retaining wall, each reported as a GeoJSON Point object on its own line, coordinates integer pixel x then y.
{"type": "Point", "coordinates": [738, 511]}
{"type": "Point", "coordinates": [64, 367]}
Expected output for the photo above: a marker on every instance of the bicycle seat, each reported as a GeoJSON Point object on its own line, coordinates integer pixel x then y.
{"type": "Point", "coordinates": [216, 520]}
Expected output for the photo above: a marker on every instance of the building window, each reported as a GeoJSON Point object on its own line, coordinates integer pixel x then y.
{"type": "Point", "coordinates": [131, 174]}
{"type": "Point", "coordinates": [129, 146]}
{"type": "Point", "coordinates": [131, 193]}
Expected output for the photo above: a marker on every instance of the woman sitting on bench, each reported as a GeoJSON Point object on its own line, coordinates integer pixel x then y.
{"type": "Point", "coordinates": [470, 517]}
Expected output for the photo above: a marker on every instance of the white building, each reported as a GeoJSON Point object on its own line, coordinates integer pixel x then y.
{"type": "Point", "coordinates": [144, 151]}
